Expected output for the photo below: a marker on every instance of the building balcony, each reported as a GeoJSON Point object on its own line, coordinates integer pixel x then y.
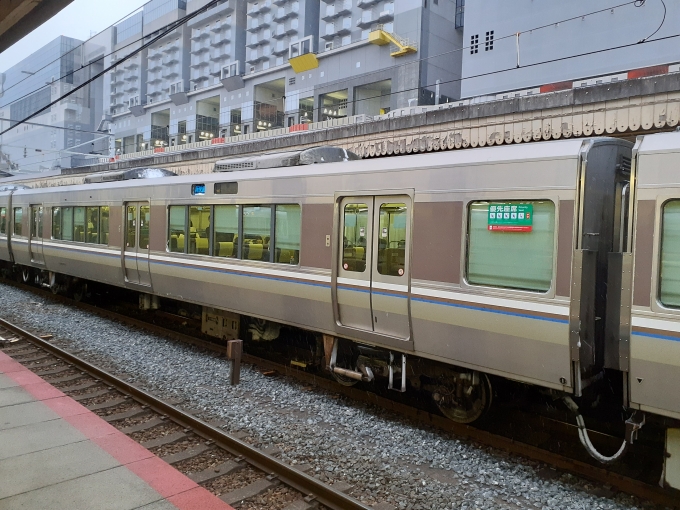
{"type": "Point", "coordinates": [285, 30]}
{"type": "Point", "coordinates": [386, 16]}
{"type": "Point", "coordinates": [171, 73]}
{"type": "Point", "coordinates": [281, 2]}
{"type": "Point", "coordinates": [171, 47]}
{"type": "Point", "coordinates": [256, 25]}
{"type": "Point", "coordinates": [131, 89]}
{"type": "Point", "coordinates": [118, 92]}
{"type": "Point", "coordinates": [333, 31]}
{"type": "Point", "coordinates": [280, 49]}
{"type": "Point", "coordinates": [117, 103]}
{"type": "Point", "coordinates": [254, 59]}
{"type": "Point", "coordinates": [219, 40]}
{"type": "Point", "coordinates": [283, 13]}
{"type": "Point", "coordinates": [365, 4]}
{"type": "Point", "coordinates": [132, 63]}
{"type": "Point", "coordinates": [117, 80]}
{"type": "Point", "coordinates": [260, 8]}
{"type": "Point", "coordinates": [155, 55]}
{"type": "Point", "coordinates": [337, 10]}
{"type": "Point", "coordinates": [257, 42]}
{"type": "Point", "coordinates": [199, 33]}
{"type": "Point", "coordinates": [155, 65]}
{"type": "Point", "coordinates": [153, 79]}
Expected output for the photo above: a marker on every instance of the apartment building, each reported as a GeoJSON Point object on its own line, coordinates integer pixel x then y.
{"type": "Point", "coordinates": [251, 65]}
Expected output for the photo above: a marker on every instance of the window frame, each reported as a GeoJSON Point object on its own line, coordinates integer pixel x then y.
{"type": "Point", "coordinates": [239, 248]}
{"type": "Point", "coordinates": [655, 302]}
{"type": "Point", "coordinates": [465, 243]}
{"type": "Point", "coordinates": [3, 230]}
{"type": "Point", "coordinates": [14, 222]}
{"type": "Point", "coordinates": [61, 209]}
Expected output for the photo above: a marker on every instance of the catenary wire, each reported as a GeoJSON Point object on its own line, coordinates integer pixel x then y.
{"type": "Point", "coordinates": [395, 66]}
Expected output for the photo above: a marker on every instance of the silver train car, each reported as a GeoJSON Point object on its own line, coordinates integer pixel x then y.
{"type": "Point", "coordinates": [542, 263]}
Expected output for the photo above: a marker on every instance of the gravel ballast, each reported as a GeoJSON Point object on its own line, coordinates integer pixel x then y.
{"type": "Point", "coordinates": [384, 457]}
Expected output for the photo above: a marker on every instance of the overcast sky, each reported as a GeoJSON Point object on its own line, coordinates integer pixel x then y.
{"type": "Point", "coordinates": [77, 20]}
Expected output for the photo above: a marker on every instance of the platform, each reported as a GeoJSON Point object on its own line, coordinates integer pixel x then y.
{"type": "Point", "coordinates": [56, 454]}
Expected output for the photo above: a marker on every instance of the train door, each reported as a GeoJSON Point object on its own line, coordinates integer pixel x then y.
{"type": "Point", "coordinates": [35, 245]}
{"type": "Point", "coordinates": [372, 277]}
{"type": "Point", "coordinates": [136, 250]}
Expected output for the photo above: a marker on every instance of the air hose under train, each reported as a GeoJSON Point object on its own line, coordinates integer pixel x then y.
{"type": "Point", "coordinates": [633, 424]}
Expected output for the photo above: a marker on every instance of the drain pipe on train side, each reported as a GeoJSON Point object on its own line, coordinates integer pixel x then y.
{"type": "Point", "coordinates": [633, 425]}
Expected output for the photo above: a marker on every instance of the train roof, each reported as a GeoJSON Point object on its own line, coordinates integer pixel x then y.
{"type": "Point", "coordinates": [660, 142]}
{"type": "Point", "coordinates": [550, 150]}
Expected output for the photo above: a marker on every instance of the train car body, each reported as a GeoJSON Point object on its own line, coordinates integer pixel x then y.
{"type": "Point", "coordinates": [396, 253]}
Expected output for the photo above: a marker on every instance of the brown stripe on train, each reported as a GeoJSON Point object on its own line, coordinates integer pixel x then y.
{"type": "Point", "coordinates": [644, 245]}
{"type": "Point", "coordinates": [317, 223]}
{"type": "Point", "coordinates": [437, 231]}
{"type": "Point", "coordinates": [565, 242]}
{"type": "Point", "coordinates": [157, 236]}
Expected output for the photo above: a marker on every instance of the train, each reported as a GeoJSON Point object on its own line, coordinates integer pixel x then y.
{"type": "Point", "coordinates": [555, 264]}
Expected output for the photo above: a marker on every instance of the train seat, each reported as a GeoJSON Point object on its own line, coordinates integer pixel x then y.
{"type": "Point", "coordinates": [202, 246]}
{"type": "Point", "coordinates": [255, 251]}
{"type": "Point", "coordinates": [225, 249]}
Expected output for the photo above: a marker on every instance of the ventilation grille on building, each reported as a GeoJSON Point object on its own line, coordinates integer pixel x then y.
{"type": "Point", "coordinates": [488, 45]}
{"type": "Point", "coordinates": [474, 44]}
{"type": "Point", "coordinates": [291, 81]}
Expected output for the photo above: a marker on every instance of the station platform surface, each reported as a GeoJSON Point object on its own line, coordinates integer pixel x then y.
{"type": "Point", "coordinates": [56, 454]}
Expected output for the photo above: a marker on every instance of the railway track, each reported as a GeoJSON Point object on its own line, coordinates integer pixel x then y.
{"type": "Point", "coordinates": [613, 481]}
{"type": "Point", "coordinates": [222, 463]}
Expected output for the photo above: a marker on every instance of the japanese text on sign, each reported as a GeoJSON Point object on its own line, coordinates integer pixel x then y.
{"type": "Point", "coordinates": [511, 217]}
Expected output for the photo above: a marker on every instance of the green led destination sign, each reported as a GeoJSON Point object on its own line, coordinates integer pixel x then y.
{"type": "Point", "coordinates": [511, 217]}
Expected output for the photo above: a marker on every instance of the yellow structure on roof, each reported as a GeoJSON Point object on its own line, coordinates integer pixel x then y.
{"type": "Point", "coordinates": [303, 63]}
{"type": "Point", "coordinates": [381, 37]}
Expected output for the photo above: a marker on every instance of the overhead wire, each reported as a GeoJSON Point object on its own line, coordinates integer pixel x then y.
{"type": "Point", "coordinates": [411, 62]}
{"type": "Point", "coordinates": [170, 27]}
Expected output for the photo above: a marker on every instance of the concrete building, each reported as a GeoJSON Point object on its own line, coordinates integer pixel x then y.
{"type": "Point", "coordinates": [60, 134]}
{"type": "Point", "coordinates": [523, 44]}
{"type": "Point", "coordinates": [229, 70]}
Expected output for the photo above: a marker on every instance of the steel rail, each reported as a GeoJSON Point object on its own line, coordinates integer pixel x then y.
{"type": "Point", "coordinates": [304, 483]}
{"type": "Point", "coordinates": [658, 495]}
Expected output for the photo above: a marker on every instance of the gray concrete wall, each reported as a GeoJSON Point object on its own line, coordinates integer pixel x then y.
{"type": "Point", "coordinates": [562, 51]}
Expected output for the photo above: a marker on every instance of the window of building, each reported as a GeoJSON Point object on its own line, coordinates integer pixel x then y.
{"type": "Point", "coordinates": [354, 237]}
{"type": "Point", "coordinates": [488, 44]}
{"type": "Point", "coordinates": [225, 243]}
{"type": "Point", "coordinates": [392, 239]}
{"type": "Point", "coordinates": [669, 273]}
{"type": "Point", "coordinates": [287, 235]}
{"type": "Point", "coordinates": [460, 13]}
{"type": "Point", "coordinates": [511, 252]}
{"type": "Point", "coordinates": [474, 44]}
{"type": "Point", "coordinates": [18, 216]}
{"type": "Point", "coordinates": [3, 220]}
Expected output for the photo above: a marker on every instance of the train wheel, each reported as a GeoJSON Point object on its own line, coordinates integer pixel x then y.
{"type": "Point", "coordinates": [464, 397]}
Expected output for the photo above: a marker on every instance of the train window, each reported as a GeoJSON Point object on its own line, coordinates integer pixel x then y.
{"type": "Point", "coordinates": [104, 225]}
{"type": "Point", "coordinates": [79, 224]}
{"type": "Point", "coordinates": [515, 254]}
{"type": "Point", "coordinates": [287, 238]}
{"type": "Point", "coordinates": [3, 220]}
{"type": "Point", "coordinates": [131, 227]}
{"type": "Point", "coordinates": [56, 223]}
{"type": "Point", "coordinates": [257, 222]}
{"type": "Point", "coordinates": [178, 222]}
{"type": "Point", "coordinates": [392, 239]}
{"type": "Point", "coordinates": [354, 240]}
{"type": "Point", "coordinates": [18, 216]}
{"type": "Point", "coordinates": [226, 188]}
{"type": "Point", "coordinates": [92, 215]}
{"type": "Point", "coordinates": [225, 241]}
{"type": "Point", "coordinates": [669, 281]}
{"type": "Point", "coordinates": [67, 223]}
{"type": "Point", "coordinates": [144, 223]}
{"type": "Point", "coordinates": [199, 229]}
